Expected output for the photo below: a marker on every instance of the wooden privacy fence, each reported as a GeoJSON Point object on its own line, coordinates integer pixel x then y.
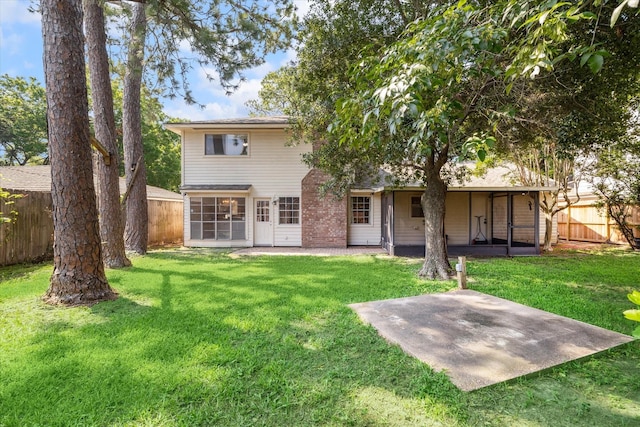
{"type": "Point", "coordinates": [30, 237]}
{"type": "Point", "coordinates": [165, 221]}
{"type": "Point", "coordinates": [587, 224]}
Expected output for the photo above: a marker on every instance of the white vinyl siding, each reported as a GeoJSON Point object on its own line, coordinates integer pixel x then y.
{"type": "Point", "coordinates": [367, 234]}
{"type": "Point", "coordinates": [408, 230]}
{"type": "Point", "coordinates": [456, 223]}
{"type": "Point", "coordinates": [480, 203]}
{"type": "Point", "coordinates": [273, 168]}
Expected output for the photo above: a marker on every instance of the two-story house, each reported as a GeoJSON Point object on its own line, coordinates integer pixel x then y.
{"type": "Point", "coordinates": [245, 185]}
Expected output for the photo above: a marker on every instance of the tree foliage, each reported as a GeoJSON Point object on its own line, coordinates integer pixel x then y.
{"type": "Point", "coordinates": [616, 181]}
{"type": "Point", "coordinates": [418, 102]}
{"type": "Point", "coordinates": [161, 147]}
{"type": "Point", "coordinates": [575, 110]}
{"type": "Point", "coordinates": [463, 75]}
{"type": "Point", "coordinates": [23, 129]}
{"type": "Point", "coordinates": [221, 38]}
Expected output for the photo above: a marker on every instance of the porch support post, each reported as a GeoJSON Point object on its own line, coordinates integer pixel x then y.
{"type": "Point", "coordinates": [536, 218]}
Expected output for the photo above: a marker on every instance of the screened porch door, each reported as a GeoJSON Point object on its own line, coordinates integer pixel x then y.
{"type": "Point", "coordinates": [263, 224]}
{"type": "Point", "coordinates": [515, 222]}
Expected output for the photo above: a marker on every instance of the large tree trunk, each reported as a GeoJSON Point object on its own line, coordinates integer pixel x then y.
{"type": "Point", "coordinates": [549, 207]}
{"type": "Point", "coordinates": [436, 264]}
{"type": "Point", "coordinates": [136, 228]}
{"type": "Point", "coordinates": [78, 274]}
{"type": "Point", "coordinates": [111, 220]}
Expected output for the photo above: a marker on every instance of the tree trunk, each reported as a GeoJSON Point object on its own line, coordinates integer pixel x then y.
{"type": "Point", "coordinates": [78, 273]}
{"type": "Point", "coordinates": [111, 220]}
{"type": "Point", "coordinates": [136, 226]}
{"type": "Point", "coordinates": [436, 264]}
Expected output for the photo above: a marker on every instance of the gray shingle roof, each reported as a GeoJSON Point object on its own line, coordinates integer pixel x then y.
{"type": "Point", "coordinates": [38, 178]}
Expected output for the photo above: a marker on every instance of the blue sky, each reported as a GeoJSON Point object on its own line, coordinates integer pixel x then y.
{"type": "Point", "coordinates": [21, 55]}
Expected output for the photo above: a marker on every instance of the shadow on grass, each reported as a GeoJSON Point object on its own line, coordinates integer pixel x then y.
{"type": "Point", "coordinates": [239, 343]}
{"type": "Point", "coordinates": [208, 340]}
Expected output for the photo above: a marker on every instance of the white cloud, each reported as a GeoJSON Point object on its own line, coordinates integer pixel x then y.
{"type": "Point", "coordinates": [16, 11]}
{"type": "Point", "coordinates": [303, 6]}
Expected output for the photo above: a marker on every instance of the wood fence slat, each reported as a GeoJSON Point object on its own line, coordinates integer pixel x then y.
{"type": "Point", "coordinates": [30, 237]}
{"type": "Point", "coordinates": [586, 223]}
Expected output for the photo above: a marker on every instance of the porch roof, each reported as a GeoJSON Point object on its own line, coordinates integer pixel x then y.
{"type": "Point", "coordinates": [499, 178]}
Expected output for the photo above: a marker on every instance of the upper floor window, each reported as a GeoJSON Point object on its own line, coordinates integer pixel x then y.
{"type": "Point", "coordinates": [226, 144]}
{"type": "Point", "coordinates": [416, 207]}
{"type": "Point", "coordinates": [360, 210]}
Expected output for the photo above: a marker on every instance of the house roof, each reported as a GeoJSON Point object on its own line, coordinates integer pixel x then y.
{"type": "Point", "coordinates": [498, 178]}
{"type": "Point", "coordinates": [38, 178]}
{"type": "Point", "coordinates": [272, 122]}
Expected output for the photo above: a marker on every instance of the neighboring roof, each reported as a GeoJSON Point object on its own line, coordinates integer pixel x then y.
{"type": "Point", "coordinates": [214, 187]}
{"type": "Point", "coordinates": [272, 122]}
{"type": "Point", "coordinates": [26, 178]}
{"type": "Point", "coordinates": [38, 178]}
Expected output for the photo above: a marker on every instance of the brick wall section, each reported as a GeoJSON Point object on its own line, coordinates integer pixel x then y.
{"type": "Point", "coordinates": [324, 219]}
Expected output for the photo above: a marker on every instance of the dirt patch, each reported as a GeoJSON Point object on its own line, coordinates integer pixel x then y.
{"type": "Point", "coordinates": [564, 245]}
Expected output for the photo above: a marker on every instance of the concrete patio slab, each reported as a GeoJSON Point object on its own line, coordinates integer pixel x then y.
{"type": "Point", "coordinates": [480, 340]}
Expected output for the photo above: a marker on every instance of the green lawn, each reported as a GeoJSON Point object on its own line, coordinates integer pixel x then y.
{"type": "Point", "coordinates": [203, 338]}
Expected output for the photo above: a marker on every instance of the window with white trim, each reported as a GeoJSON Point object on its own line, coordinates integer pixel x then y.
{"type": "Point", "coordinates": [226, 144]}
{"type": "Point", "coordinates": [218, 218]}
{"type": "Point", "coordinates": [289, 210]}
{"type": "Point", "coordinates": [360, 210]}
{"type": "Point", "coordinates": [416, 207]}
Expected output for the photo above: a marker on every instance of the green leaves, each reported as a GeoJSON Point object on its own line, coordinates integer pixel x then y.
{"type": "Point", "coordinates": [594, 60]}
{"type": "Point", "coordinates": [23, 129]}
{"type": "Point", "coordinates": [634, 297]}
{"type": "Point", "coordinates": [634, 315]}
{"type": "Point", "coordinates": [479, 144]}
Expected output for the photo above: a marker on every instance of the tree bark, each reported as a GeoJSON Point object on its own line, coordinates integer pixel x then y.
{"type": "Point", "coordinates": [136, 226]}
{"type": "Point", "coordinates": [78, 273]}
{"type": "Point", "coordinates": [436, 264]}
{"type": "Point", "coordinates": [111, 220]}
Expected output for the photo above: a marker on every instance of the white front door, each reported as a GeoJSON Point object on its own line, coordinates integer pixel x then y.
{"type": "Point", "coordinates": [263, 228]}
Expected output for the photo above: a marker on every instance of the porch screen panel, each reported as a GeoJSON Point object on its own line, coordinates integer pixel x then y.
{"type": "Point", "coordinates": [238, 215]}
{"type": "Point", "coordinates": [218, 218]}
{"type": "Point", "coordinates": [523, 213]}
{"type": "Point", "coordinates": [195, 218]}
{"type": "Point", "coordinates": [499, 217]}
{"type": "Point", "coordinates": [223, 229]}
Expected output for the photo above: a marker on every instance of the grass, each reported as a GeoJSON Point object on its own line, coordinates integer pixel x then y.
{"type": "Point", "coordinates": [202, 338]}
